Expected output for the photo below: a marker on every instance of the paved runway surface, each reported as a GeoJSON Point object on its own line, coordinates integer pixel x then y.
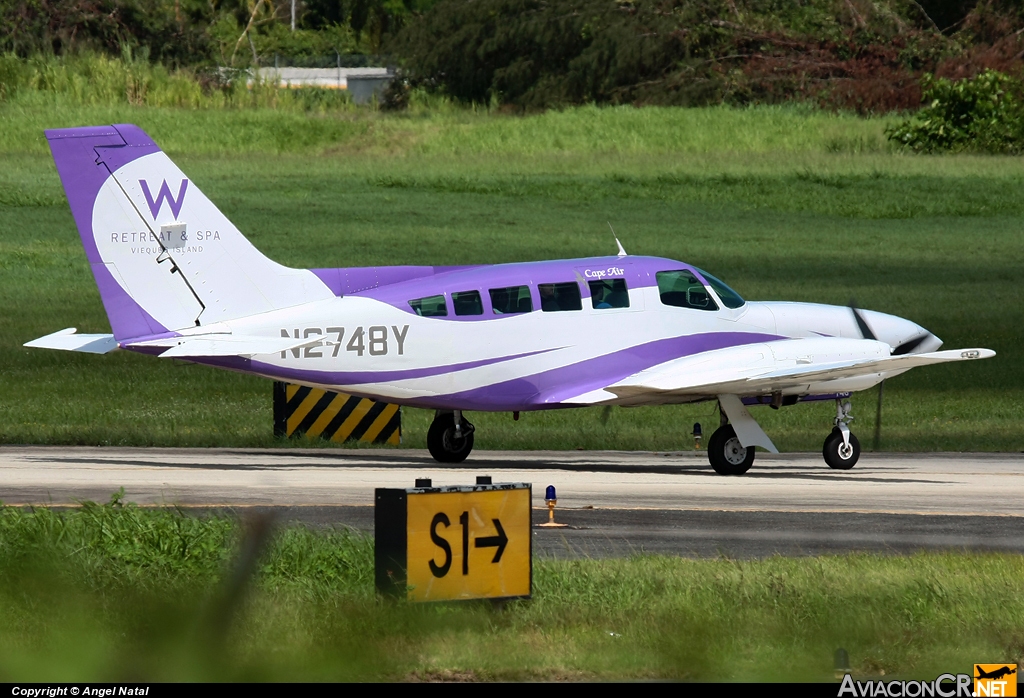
{"type": "Point", "coordinates": [616, 503]}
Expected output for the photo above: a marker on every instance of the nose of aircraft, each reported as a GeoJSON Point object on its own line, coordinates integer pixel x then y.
{"type": "Point", "coordinates": [904, 336]}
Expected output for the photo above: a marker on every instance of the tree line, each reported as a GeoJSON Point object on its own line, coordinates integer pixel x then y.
{"type": "Point", "coordinates": [869, 56]}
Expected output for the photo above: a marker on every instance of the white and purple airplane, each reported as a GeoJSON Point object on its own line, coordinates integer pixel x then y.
{"type": "Point", "coordinates": [178, 280]}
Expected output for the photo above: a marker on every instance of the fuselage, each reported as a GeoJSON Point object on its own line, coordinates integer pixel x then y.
{"type": "Point", "coordinates": [528, 336]}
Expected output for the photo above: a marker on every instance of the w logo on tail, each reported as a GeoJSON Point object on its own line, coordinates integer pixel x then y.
{"type": "Point", "coordinates": [164, 193]}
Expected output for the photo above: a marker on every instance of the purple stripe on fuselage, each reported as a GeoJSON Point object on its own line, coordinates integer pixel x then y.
{"type": "Point", "coordinates": [543, 390]}
{"type": "Point", "coordinates": [349, 378]}
{"type": "Point", "coordinates": [548, 389]}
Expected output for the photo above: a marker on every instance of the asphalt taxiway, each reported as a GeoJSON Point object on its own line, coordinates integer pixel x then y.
{"type": "Point", "coordinates": [616, 503]}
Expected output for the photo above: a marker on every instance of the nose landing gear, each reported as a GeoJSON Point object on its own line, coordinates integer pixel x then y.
{"type": "Point", "coordinates": [841, 449]}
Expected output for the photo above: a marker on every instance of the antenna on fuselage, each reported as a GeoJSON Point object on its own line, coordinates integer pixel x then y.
{"type": "Point", "coordinates": [622, 251]}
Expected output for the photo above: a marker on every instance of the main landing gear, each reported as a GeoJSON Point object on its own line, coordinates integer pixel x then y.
{"type": "Point", "coordinates": [729, 457]}
{"type": "Point", "coordinates": [841, 449]}
{"type": "Point", "coordinates": [450, 437]}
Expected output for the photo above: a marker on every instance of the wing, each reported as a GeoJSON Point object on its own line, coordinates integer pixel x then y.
{"type": "Point", "coordinates": [790, 365]}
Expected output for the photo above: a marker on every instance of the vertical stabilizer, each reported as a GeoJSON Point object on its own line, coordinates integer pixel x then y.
{"type": "Point", "coordinates": [164, 257]}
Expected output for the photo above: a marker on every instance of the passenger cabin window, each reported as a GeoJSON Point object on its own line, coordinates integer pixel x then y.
{"type": "Point", "coordinates": [730, 298]}
{"type": "Point", "coordinates": [512, 299]}
{"type": "Point", "coordinates": [609, 293]}
{"type": "Point", "coordinates": [468, 303]}
{"type": "Point", "coordinates": [431, 306]}
{"type": "Point", "coordinates": [557, 297]}
{"type": "Point", "coordinates": [682, 289]}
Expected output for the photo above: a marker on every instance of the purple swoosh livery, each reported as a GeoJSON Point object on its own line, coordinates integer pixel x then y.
{"type": "Point", "coordinates": [179, 280]}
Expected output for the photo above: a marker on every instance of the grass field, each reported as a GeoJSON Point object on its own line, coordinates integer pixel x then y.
{"type": "Point", "coordinates": [112, 593]}
{"type": "Point", "coordinates": [782, 203]}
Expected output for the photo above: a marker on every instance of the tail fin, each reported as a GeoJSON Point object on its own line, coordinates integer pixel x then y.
{"type": "Point", "coordinates": [164, 257]}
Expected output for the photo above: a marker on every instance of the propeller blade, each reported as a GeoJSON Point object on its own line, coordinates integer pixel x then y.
{"type": "Point", "coordinates": [862, 325]}
{"type": "Point", "coordinates": [910, 346]}
{"type": "Point", "coordinates": [605, 414]}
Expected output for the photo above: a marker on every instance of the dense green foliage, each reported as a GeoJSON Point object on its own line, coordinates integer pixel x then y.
{"type": "Point", "coordinates": [534, 53]}
{"type": "Point", "coordinates": [845, 54]}
{"type": "Point", "coordinates": [197, 32]}
{"type": "Point", "coordinates": [985, 113]}
{"type": "Point", "coordinates": [120, 593]}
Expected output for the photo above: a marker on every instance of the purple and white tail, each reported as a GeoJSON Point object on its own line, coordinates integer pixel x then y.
{"type": "Point", "coordinates": [164, 257]}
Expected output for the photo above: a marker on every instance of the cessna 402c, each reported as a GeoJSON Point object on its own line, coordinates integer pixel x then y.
{"type": "Point", "coordinates": [178, 280]}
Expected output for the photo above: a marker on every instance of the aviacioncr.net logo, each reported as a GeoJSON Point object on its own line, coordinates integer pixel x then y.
{"type": "Point", "coordinates": [944, 686]}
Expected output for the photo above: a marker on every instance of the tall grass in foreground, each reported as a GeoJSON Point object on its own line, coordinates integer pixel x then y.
{"type": "Point", "coordinates": [107, 593]}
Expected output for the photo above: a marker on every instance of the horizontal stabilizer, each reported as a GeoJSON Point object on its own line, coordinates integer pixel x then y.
{"type": "Point", "coordinates": [223, 344]}
{"type": "Point", "coordinates": [67, 340]}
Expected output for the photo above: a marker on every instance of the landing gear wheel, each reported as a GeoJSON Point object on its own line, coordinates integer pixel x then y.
{"type": "Point", "coordinates": [727, 455]}
{"type": "Point", "coordinates": [444, 444]}
{"type": "Point", "coordinates": [837, 454]}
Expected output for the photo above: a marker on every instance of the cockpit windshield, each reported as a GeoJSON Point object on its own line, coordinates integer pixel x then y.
{"type": "Point", "coordinates": [730, 298]}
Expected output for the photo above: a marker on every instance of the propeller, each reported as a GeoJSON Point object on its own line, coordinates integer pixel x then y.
{"type": "Point", "coordinates": [909, 346]}
{"type": "Point", "coordinates": [866, 333]}
{"type": "Point", "coordinates": [605, 414]}
{"type": "Point", "coordinates": [862, 324]}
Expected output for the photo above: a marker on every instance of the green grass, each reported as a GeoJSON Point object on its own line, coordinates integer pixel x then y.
{"type": "Point", "coordinates": [783, 203]}
{"type": "Point", "coordinates": [118, 593]}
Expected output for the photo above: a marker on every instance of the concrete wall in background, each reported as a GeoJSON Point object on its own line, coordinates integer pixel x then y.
{"type": "Point", "coordinates": [362, 83]}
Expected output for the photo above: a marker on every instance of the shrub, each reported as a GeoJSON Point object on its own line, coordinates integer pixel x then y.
{"type": "Point", "coordinates": [984, 113]}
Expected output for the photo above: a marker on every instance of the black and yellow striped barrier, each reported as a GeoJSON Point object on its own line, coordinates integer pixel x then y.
{"type": "Point", "coordinates": [335, 416]}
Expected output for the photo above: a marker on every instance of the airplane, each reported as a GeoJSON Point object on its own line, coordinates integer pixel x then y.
{"type": "Point", "coordinates": [178, 280]}
{"type": "Point", "coordinates": [996, 673]}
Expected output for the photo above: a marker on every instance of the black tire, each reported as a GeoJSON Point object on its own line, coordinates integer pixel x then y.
{"type": "Point", "coordinates": [836, 456]}
{"type": "Point", "coordinates": [726, 454]}
{"type": "Point", "coordinates": [442, 442]}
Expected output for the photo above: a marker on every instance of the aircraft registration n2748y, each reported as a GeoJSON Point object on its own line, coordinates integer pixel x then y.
{"type": "Point", "coordinates": [178, 280]}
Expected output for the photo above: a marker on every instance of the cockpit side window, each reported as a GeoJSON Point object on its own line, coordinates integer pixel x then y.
{"type": "Point", "coordinates": [511, 299]}
{"type": "Point", "coordinates": [431, 306]}
{"type": "Point", "coordinates": [730, 298]}
{"type": "Point", "coordinates": [468, 303]}
{"type": "Point", "coordinates": [609, 293]}
{"type": "Point", "coordinates": [682, 289]}
{"type": "Point", "coordinates": [556, 297]}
